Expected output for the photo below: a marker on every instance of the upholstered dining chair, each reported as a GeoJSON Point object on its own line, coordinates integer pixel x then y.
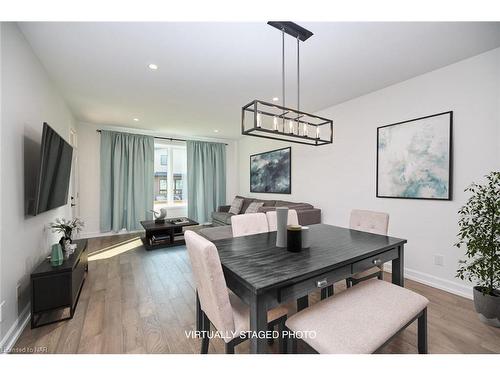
{"type": "Point", "coordinates": [373, 222]}
{"type": "Point", "coordinates": [247, 224]}
{"type": "Point", "coordinates": [224, 310]}
{"type": "Point", "coordinates": [293, 219]}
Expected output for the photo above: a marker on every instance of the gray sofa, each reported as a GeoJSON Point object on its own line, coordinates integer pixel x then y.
{"type": "Point", "coordinates": [306, 213]}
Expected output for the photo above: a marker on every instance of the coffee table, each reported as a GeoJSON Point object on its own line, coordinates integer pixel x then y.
{"type": "Point", "coordinates": [166, 234]}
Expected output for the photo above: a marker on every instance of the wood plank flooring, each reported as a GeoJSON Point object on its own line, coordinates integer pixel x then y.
{"type": "Point", "coordinates": [135, 301]}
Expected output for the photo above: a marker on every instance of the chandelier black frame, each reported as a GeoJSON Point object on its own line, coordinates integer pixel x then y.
{"type": "Point", "coordinates": [278, 122]}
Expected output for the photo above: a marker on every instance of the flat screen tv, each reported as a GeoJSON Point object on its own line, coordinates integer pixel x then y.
{"type": "Point", "coordinates": [55, 171]}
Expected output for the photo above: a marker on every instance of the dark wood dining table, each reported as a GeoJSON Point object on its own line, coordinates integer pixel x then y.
{"type": "Point", "coordinates": [265, 276]}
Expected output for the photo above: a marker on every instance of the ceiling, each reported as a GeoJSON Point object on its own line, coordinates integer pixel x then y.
{"type": "Point", "coordinates": [208, 71]}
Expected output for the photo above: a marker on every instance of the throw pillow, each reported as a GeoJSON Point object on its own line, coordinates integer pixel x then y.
{"type": "Point", "coordinates": [254, 207]}
{"type": "Point", "coordinates": [236, 206]}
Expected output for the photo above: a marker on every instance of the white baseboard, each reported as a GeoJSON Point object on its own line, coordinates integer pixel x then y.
{"type": "Point", "coordinates": [435, 282]}
{"type": "Point", "coordinates": [15, 331]}
{"type": "Point", "coordinates": [105, 234]}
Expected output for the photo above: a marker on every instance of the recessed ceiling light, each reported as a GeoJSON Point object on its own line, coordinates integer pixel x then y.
{"type": "Point", "coordinates": [275, 99]}
{"type": "Point", "coordinates": [216, 130]}
{"type": "Point", "coordinates": [153, 66]}
{"type": "Point", "coordinates": [136, 119]}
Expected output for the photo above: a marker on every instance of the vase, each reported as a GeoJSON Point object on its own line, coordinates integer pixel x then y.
{"type": "Point", "coordinates": [56, 256]}
{"type": "Point", "coordinates": [281, 223]}
{"type": "Point", "coordinates": [306, 238]}
{"type": "Point", "coordinates": [294, 238]}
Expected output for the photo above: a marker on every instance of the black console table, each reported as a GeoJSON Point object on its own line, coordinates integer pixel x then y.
{"type": "Point", "coordinates": [54, 290]}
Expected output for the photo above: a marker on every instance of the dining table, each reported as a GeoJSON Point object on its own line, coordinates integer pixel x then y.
{"type": "Point", "coordinates": [265, 276]}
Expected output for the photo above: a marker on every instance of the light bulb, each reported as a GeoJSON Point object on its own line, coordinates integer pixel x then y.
{"type": "Point", "coordinates": [290, 127]}
{"type": "Point", "coordinates": [317, 132]}
{"type": "Point", "coordinates": [306, 131]}
{"type": "Point", "coordinates": [275, 123]}
{"type": "Point", "coordinates": [259, 121]}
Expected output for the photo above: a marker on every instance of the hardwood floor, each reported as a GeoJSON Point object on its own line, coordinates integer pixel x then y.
{"type": "Point", "coordinates": [135, 301]}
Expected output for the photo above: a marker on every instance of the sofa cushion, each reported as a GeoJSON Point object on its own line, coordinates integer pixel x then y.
{"type": "Point", "coordinates": [236, 206]}
{"type": "Point", "coordinates": [246, 203]}
{"type": "Point", "coordinates": [254, 207]}
{"type": "Point", "coordinates": [223, 217]}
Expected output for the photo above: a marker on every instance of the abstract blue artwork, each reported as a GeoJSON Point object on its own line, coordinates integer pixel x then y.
{"type": "Point", "coordinates": [270, 172]}
{"type": "Point", "coordinates": [414, 158]}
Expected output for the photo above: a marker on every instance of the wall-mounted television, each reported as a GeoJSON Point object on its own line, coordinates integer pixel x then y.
{"type": "Point", "coordinates": [55, 171]}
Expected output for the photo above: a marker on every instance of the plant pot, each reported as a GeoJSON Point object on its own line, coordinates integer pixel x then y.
{"type": "Point", "coordinates": [487, 306]}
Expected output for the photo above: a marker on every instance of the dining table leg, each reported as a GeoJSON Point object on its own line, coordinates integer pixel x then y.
{"type": "Point", "coordinates": [258, 325]}
{"type": "Point", "coordinates": [398, 268]}
{"type": "Point", "coordinates": [199, 315]}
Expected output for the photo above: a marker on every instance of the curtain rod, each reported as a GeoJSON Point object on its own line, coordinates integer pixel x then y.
{"type": "Point", "coordinates": [168, 139]}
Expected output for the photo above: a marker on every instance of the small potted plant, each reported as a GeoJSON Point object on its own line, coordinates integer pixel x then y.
{"type": "Point", "coordinates": [479, 231]}
{"type": "Point", "coordinates": [67, 228]}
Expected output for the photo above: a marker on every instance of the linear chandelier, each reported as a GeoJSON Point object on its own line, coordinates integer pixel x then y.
{"type": "Point", "coordinates": [279, 122]}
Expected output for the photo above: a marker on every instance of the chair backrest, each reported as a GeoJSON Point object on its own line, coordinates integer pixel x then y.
{"type": "Point", "coordinates": [369, 221]}
{"type": "Point", "coordinates": [247, 224]}
{"type": "Point", "coordinates": [210, 282]}
{"type": "Point", "coordinates": [293, 219]}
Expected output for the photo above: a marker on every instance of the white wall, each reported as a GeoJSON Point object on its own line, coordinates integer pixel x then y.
{"type": "Point", "coordinates": [340, 177]}
{"type": "Point", "coordinates": [89, 179]}
{"type": "Point", "coordinates": [28, 99]}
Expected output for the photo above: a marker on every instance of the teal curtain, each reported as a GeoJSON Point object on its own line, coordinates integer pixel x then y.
{"type": "Point", "coordinates": [206, 178]}
{"type": "Point", "coordinates": [127, 164]}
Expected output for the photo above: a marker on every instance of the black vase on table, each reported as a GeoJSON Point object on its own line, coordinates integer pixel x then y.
{"type": "Point", "coordinates": [294, 238]}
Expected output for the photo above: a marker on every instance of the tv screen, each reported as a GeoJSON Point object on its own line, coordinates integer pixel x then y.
{"type": "Point", "coordinates": [55, 171]}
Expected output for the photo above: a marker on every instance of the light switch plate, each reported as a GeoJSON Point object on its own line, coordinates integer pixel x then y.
{"type": "Point", "coordinates": [438, 260]}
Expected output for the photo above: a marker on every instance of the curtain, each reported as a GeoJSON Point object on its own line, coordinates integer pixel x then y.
{"type": "Point", "coordinates": [127, 173]}
{"type": "Point", "coordinates": [206, 178]}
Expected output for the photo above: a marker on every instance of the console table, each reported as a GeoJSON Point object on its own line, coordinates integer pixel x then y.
{"type": "Point", "coordinates": [54, 290]}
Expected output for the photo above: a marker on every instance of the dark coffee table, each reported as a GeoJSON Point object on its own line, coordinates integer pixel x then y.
{"type": "Point", "coordinates": [166, 234]}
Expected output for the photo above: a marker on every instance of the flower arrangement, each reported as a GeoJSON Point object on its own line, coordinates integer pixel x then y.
{"type": "Point", "coordinates": [66, 227]}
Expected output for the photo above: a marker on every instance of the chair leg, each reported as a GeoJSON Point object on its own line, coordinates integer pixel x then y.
{"type": "Point", "coordinates": [330, 290]}
{"type": "Point", "coordinates": [205, 328]}
{"type": "Point", "coordinates": [327, 292]}
{"type": "Point", "coordinates": [270, 328]}
{"type": "Point", "coordinates": [324, 293]}
{"type": "Point", "coordinates": [302, 303]}
{"type": "Point", "coordinates": [348, 283]}
{"type": "Point", "coordinates": [282, 342]}
{"type": "Point", "coordinates": [229, 347]}
{"type": "Point", "coordinates": [292, 345]}
{"type": "Point", "coordinates": [422, 333]}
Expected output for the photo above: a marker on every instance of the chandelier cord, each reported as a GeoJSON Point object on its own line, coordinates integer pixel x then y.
{"type": "Point", "coordinates": [298, 73]}
{"type": "Point", "coordinates": [283, 65]}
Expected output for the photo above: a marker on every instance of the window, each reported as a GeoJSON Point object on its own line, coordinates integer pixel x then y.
{"type": "Point", "coordinates": [163, 186]}
{"type": "Point", "coordinates": [170, 166]}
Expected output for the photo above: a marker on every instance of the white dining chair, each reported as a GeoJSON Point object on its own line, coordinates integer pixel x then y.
{"type": "Point", "coordinates": [372, 222]}
{"type": "Point", "coordinates": [223, 309]}
{"type": "Point", "coordinates": [247, 224]}
{"type": "Point", "coordinates": [293, 219]}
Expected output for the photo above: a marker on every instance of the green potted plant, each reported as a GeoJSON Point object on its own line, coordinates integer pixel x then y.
{"type": "Point", "coordinates": [479, 232]}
